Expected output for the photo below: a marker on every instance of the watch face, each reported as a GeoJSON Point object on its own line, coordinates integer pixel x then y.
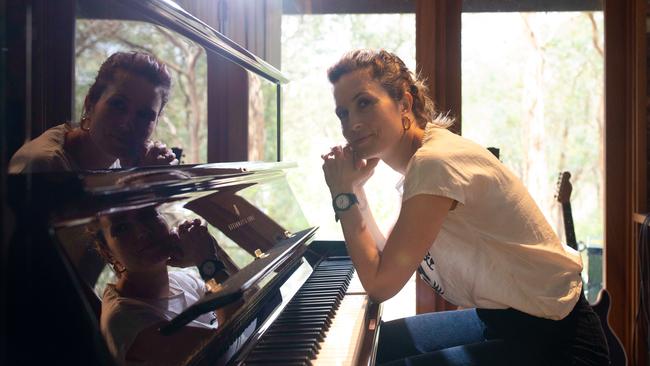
{"type": "Point", "coordinates": [208, 268]}
{"type": "Point", "coordinates": [342, 201]}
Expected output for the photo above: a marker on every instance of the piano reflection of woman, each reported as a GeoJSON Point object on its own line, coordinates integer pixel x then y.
{"type": "Point", "coordinates": [120, 113]}
{"type": "Point", "coordinates": [140, 245]}
{"type": "Point", "coordinates": [466, 224]}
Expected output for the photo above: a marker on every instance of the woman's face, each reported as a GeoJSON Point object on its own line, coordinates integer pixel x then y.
{"type": "Point", "coordinates": [139, 240]}
{"type": "Point", "coordinates": [370, 118]}
{"type": "Point", "coordinates": [125, 115]}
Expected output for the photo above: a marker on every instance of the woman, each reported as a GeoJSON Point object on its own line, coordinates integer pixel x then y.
{"type": "Point", "coordinates": [466, 224]}
{"type": "Point", "coordinates": [140, 245]}
{"type": "Point", "coordinates": [120, 113]}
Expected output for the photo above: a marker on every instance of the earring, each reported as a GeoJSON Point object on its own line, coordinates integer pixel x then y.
{"type": "Point", "coordinates": [83, 123]}
{"type": "Point", "coordinates": [117, 269]}
{"type": "Point", "coordinates": [406, 123]}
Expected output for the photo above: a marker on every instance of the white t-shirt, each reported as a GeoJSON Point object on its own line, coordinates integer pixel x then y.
{"type": "Point", "coordinates": [46, 154]}
{"type": "Point", "coordinates": [124, 318]}
{"type": "Point", "coordinates": [495, 250]}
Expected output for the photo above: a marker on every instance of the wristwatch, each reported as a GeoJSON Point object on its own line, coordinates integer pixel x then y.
{"type": "Point", "coordinates": [209, 268]}
{"type": "Point", "coordinates": [343, 202]}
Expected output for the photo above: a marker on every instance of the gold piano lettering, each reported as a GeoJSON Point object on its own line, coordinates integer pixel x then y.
{"type": "Point", "coordinates": [239, 223]}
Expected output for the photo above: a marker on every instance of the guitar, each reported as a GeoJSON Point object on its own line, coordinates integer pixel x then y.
{"type": "Point", "coordinates": [603, 300]}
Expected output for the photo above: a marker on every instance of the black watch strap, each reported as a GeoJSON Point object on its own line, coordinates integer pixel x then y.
{"type": "Point", "coordinates": [343, 202]}
{"type": "Point", "coordinates": [209, 268]}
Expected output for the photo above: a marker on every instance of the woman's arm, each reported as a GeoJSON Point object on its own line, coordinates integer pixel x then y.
{"type": "Point", "coordinates": [383, 274]}
{"type": "Point", "coordinates": [153, 348]}
{"type": "Point", "coordinates": [369, 219]}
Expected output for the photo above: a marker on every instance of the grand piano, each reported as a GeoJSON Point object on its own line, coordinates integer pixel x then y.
{"type": "Point", "coordinates": [299, 300]}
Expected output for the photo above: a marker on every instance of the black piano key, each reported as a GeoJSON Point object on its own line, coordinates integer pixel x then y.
{"type": "Point", "coordinates": [270, 342]}
{"type": "Point", "coordinates": [303, 317]}
{"type": "Point", "coordinates": [326, 311]}
{"type": "Point", "coordinates": [302, 302]}
{"type": "Point", "coordinates": [315, 296]}
{"type": "Point", "coordinates": [290, 337]}
{"type": "Point", "coordinates": [308, 304]}
{"type": "Point", "coordinates": [293, 320]}
{"type": "Point", "coordinates": [319, 292]}
{"type": "Point", "coordinates": [322, 286]}
{"type": "Point", "coordinates": [300, 326]}
{"type": "Point", "coordinates": [303, 325]}
{"type": "Point", "coordinates": [295, 335]}
{"type": "Point", "coordinates": [329, 280]}
{"type": "Point", "coordinates": [269, 363]}
{"type": "Point", "coordinates": [292, 352]}
{"type": "Point", "coordinates": [318, 334]}
{"type": "Point", "coordinates": [331, 276]}
{"type": "Point", "coordinates": [302, 322]}
{"type": "Point", "coordinates": [280, 358]}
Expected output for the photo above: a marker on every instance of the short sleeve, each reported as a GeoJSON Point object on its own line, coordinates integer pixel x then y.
{"type": "Point", "coordinates": [122, 321]}
{"type": "Point", "coordinates": [188, 281]}
{"type": "Point", "coordinates": [434, 176]}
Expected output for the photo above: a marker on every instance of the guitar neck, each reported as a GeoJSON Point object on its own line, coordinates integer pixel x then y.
{"type": "Point", "coordinates": [569, 231]}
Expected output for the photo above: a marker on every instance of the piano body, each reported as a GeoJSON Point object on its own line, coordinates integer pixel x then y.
{"type": "Point", "coordinates": [299, 299]}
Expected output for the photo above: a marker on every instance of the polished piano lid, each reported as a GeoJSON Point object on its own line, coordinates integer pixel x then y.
{"type": "Point", "coordinates": [234, 287]}
{"type": "Point", "coordinates": [170, 15]}
{"type": "Point", "coordinates": [248, 208]}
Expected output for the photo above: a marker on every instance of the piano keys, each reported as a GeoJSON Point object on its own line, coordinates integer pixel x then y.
{"type": "Point", "coordinates": [302, 304]}
{"type": "Point", "coordinates": [301, 301]}
{"type": "Point", "coordinates": [326, 322]}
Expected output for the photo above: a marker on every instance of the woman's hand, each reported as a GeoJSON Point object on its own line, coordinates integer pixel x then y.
{"type": "Point", "coordinates": [150, 153]}
{"type": "Point", "coordinates": [157, 153]}
{"type": "Point", "coordinates": [196, 245]}
{"type": "Point", "coordinates": [344, 172]}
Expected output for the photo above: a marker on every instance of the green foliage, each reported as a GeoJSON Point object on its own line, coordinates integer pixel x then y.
{"type": "Point", "coordinates": [98, 39]}
{"type": "Point", "coordinates": [311, 44]}
{"type": "Point", "coordinates": [495, 53]}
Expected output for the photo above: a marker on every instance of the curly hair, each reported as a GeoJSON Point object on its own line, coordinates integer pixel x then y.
{"type": "Point", "coordinates": [391, 72]}
{"type": "Point", "coordinates": [137, 63]}
{"type": "Point", "coordinates": [96, 235]}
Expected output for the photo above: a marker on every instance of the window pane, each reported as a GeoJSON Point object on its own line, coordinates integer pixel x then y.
{"type": "Point", "coordinates": [533, 86]}
{"type": "Point", "coordinates": [311, 44]}
{"type": "Point", "coordinates": [262, 119]}
{"type": "Point", "coordinates": [183, 122]}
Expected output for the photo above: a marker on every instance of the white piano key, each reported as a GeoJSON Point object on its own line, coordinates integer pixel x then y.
{"type": "Point", "coordinates": [343, 340]}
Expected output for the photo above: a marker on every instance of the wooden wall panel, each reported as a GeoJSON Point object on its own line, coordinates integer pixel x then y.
{"type": "Point", "coordinates": [255, 26]}
{"type": "Point", "coordinates": [438, 59]}
{"type": "Point", "coordinates": [52, 93]}
{"type": "Point", "coordinates": [624, 114]}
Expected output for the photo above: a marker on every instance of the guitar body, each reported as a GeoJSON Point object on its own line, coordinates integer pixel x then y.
{"type": "Point", "coordinates": [601, 307]}
{"type": "Point", "coordinates": [603, 302]}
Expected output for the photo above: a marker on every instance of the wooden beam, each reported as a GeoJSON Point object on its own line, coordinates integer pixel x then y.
{"type": "Point", "coordinates": [52, 93]}
{"type": "Point", "coordinates": [437, 55]}
{"type": "Point", "coordinates": [300, 7]}
{"type": "Point", "coordinates": [624, 116]}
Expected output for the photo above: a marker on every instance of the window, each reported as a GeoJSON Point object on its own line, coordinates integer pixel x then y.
{"type": "Point", "coordinates": [311, 44]}
{"type": "Point", "coordinates": [183, 123]}
{"type": "Point", "coordinates": [532, 85]}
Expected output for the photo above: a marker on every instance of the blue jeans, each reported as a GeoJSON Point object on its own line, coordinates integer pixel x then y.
{"type": "Point", "coordinates": [493, 337]}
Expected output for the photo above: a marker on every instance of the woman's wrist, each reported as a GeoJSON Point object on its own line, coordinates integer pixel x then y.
{"type": "Point", "coordinates": [343, 189]}
{"type": "Point", "coordinates": [209, 253]}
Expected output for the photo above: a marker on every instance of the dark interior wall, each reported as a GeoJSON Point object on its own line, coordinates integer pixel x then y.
{"type": "Point", "coordinates": [39, 68]}
{"type": "Point", "coordinates": [53, 27]}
